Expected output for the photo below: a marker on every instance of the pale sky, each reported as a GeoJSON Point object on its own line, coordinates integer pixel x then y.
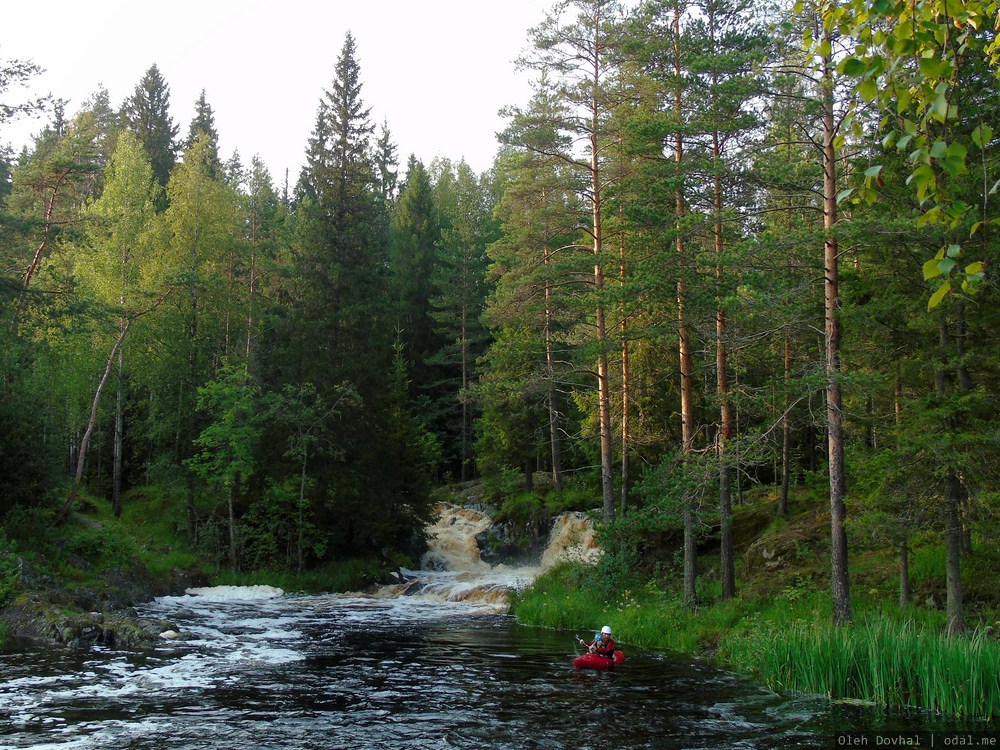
{"type": "Point", "coordinates": [437, 70]}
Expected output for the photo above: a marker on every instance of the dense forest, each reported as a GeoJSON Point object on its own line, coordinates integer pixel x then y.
{"type": "Point", "coordinates": [722, 246]}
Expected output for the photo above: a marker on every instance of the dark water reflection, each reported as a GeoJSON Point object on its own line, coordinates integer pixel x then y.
{"type": "Point", "coordinates": [334, 672]}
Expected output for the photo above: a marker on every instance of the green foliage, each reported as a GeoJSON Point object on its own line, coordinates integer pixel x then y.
{"type": "Point", "coordinates": [147, 114]}
{"type": "Point", "coordinates": [226, 445]}
{"type": "Point", "coordinates": [9, 572]}
{"type": "Point", "coordinates": [101, 546]}
{"type": "Point", "coordinates": [353, 574]}
{"type": "Point", "coordinates": [927, 116]}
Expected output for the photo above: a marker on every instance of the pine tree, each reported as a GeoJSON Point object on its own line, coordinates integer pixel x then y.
{"type": "Point", "coordinates": [336, 332]}
{"type": "Point", "coordinates": [579, 56]}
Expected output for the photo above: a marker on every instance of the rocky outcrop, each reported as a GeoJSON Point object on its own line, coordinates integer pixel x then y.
{"type": "Point", "coordinates": [104, 614]}
{"type": "Point", "coordinates": [510, 543]}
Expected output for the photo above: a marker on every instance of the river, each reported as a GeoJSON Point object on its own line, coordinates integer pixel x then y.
{"type": "Point", "coordinates": [440, 667]}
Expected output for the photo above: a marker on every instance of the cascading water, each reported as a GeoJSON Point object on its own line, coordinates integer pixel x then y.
{"type": "Point", "coordinates": [453, 570]}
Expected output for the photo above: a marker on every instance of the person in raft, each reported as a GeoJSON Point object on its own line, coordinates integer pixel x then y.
{"type": "Point", "coordinates": [603, 644]}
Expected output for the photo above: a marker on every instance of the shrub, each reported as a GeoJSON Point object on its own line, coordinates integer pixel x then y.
{"type": "Point", "coordinates": [9, 573]}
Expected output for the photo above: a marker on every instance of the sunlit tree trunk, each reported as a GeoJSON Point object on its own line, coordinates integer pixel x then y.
{"type": "Point", "coordinates": [840, 583]}
{"type": "Point", "coordinates": [684, 334]}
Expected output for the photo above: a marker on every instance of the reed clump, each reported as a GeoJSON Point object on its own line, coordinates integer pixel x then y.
{"type": "Point", "coordinates": [896, 664]}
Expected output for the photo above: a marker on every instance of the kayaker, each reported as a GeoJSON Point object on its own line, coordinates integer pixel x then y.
{"type": "Point", "coordinates": [603, 644]}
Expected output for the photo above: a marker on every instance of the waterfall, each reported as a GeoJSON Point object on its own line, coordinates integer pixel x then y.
{"type": "Point", "coordinates": [452, 570]}
{"type": "Point", "coordinates": [572, 539]}
{"type": "Point", "coordinates": [451, 539]}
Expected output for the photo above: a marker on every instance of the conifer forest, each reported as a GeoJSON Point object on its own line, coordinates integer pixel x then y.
{"type": "Point", "coordinates": [724, 249]}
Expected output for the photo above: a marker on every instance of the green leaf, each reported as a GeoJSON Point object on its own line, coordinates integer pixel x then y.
{"type": "Point", "coordinates": [931, 269]}
{"type": "Point", "coordinates": [922, 178]}
{"type": "Point", "coordinates": [955, 156]}
{"type": "Point", "coordinates": [843, 194]}
{"type": "Point", "coordinates": [939, 149]}
{"type": "Point", "coordinates": [995, 187]}
{"type": "Point", "coordinates": [868, 90]}
{"type": "Point", "coordinates": [853, 67]}
{"type": "Point", "coordinates": [982, 135]}
{"type": "Point", "coordinates": [873, 171]}
{"type": "Point", "coordinates": [975, 228]}
{"type": "Point", "coordinates": [974, 268]}
{"type": "Point", "coordinates": [939, 107]}
{"type": "Point", "coordinates": [931, 67]}
{"type": "Point", "coordinates": [939, 295]}
{"type": "Point", "coordinates": [946, 266]}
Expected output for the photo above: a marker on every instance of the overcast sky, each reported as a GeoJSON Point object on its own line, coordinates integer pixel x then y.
{"type": "Point", "coordinates": [436, 70]}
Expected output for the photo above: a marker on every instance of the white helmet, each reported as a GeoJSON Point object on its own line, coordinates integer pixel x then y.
{"type": "Point", "coordinates": [606, 630]}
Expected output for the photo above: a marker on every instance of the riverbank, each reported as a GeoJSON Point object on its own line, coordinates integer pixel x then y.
{"type": "Point", "coordinates": [79, 584]}
{"type": "Point", "coordinates": [778, 629]}
{"type": "Point", "coordinates": [898, 659]}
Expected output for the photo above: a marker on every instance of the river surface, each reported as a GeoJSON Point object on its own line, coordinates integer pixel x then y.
{"type": "Point", "coordinates": [352, 672]}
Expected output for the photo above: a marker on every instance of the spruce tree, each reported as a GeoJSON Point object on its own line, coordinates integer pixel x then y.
{"type": "Point", "coordinates": [415, 236]}
{"type": "Point", "coordinates": [147, 114]}
{"type": "Point", "coordinates": [203, 124]}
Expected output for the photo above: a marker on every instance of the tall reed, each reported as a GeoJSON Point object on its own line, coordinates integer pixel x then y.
{"type": "Point", "coordinates": [877, 660]}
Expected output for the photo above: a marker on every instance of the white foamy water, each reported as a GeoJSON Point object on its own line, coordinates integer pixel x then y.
{"type": "Point", "coordinates": [234, 593]}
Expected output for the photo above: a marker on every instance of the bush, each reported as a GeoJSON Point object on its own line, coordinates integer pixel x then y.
{"type": "Point", "coordinates": [9, 572]}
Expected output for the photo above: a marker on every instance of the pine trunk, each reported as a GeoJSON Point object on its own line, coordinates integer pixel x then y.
{"type": "Point", "coordinates": [684, 341]}
{"type": "Point", "coordinates": [726, 555]}
{"type": "Point", "coordinates": [603, 380]}
{"type": "Point", "coordinates": [555, 441]}
{"type": "Point", "coordinates": [840, 582]}
{"type": "Point", "coordinates": [786, 432]}
{"type": "Point", "coordinates": [905, 595]}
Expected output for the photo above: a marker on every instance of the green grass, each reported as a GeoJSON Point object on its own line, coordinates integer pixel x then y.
{"type": "Point", "coordinates": [346, 575]}
{"type": "Point", "coordinates": [150, 525]}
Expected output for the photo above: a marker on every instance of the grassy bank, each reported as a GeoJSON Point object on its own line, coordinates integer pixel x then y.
{"type": "Point", "coordinates": [889, 656]}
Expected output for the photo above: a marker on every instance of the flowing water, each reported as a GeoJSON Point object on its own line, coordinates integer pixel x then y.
{"type": "Point", "coordinates": [438, 667]}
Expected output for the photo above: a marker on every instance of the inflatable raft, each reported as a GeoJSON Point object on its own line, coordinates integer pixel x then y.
{"type": "Point", "coordinates": [593, 661]}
